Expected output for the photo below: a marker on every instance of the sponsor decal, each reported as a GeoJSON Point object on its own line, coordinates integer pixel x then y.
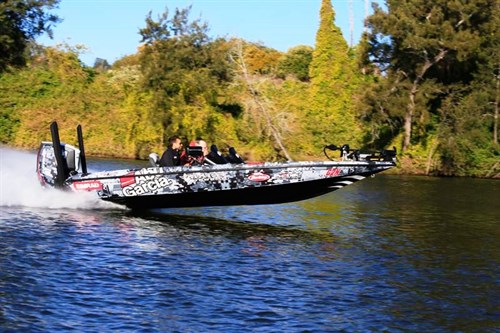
{"type": "Point", "coordinates": [289, 174]}
{"type": "Point", "coordinates": [127, 180]}
{"type": "Point", "coordinates": [147, 186]}
{"type": "Point", "coordinates": [88, 185]}
{"type": "Point", "coordinates": [333, 172]}
{"type": "Point", "coordinates": [259, 177]}
{"type": "Point", "coordinates": [204, 177]}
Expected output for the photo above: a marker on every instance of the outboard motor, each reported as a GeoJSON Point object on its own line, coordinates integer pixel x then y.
{"type": "Point", "coordinates": [57, 161]}
{"type": "Point", "coordinates": [54, 166]}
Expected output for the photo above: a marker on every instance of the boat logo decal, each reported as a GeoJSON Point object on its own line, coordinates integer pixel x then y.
{"type": "Point", "coordinates": [88, 185]}
{"type": "Point", "coordinates": [259, 177]}
{"type": "Point", "coordinates": [127, 180]}
{"type": "Point", "coordinates": [147, 186]}
{"type": "Point", "coordinates": [333, 172]}
{"type": "Point", "coordinates": [205, 177]}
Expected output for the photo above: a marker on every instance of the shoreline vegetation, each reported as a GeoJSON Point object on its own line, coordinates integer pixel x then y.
{"type": "Point", "coordinates": [398, 170]}
{"type": "Point", "coordinates": [433, 96]}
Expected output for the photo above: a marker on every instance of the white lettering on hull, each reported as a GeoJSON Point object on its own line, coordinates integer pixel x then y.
{"type": "Point", "coordinates": [147, 185]}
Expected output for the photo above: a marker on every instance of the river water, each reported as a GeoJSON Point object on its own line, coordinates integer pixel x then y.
{"type": "Point", "coordinates": [387, 254]}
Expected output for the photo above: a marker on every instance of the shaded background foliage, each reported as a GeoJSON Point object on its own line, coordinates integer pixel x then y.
{"type": "Point", "coordinates": [21, 22]}
{"type": "Point", "coordinates": [423, 78]}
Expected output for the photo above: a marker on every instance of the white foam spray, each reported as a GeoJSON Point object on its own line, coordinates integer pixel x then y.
{"type": "Point", "coordinates": [19, 186]}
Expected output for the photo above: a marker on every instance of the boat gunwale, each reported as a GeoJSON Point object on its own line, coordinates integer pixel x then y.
{"type": "Point", "coordinates": [234, 167]}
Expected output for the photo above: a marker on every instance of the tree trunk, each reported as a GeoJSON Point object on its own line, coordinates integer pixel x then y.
{"type": "Point", "coordinates": [408, 119]}
{"type": "Point", "coordinates": [410, 108]}
{"type": "Point", "coordinates": [495, 115]}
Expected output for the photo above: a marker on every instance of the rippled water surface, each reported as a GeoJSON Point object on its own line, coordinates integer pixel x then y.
{"type": "Point", "coordinates": [395, 254]}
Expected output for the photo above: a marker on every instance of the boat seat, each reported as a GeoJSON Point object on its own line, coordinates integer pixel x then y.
{"type": "Point", "coordinates": [154, 159]}
{"type": "Point", "coordinates": [215, 156]}
{"type": "Point", "coordinates": [233, 157]}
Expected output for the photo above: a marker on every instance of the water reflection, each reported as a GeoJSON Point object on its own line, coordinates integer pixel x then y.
{"type": "Point", "coordinates": [214, 225]}
{"type": "Point", "coordinates": [387, 254]}
{"type": "Point", "coordinates": [432, 238]}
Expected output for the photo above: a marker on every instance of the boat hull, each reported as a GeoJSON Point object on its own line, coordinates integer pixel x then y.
{"type": "Point", "coordinates": [63, 166]}
{"type": "Point", "coordinates": [273, 194]}
{"type": "Point", "coordinates": [224, 185]}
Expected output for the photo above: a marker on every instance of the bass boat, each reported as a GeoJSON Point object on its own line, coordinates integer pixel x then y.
{"type": "Point", "coordinates": [64, 166]}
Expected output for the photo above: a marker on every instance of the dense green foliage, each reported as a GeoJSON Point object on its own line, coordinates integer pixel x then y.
{"type": "Point", "coordinates": [182, 69]}
{"type": "Point", "coordinates": [20, 22]}
{"type": "Point", "coordinates": [296, 62]}
{"type": "Point", "coordinates": [439, 88]}
{"type": "Point", "coordinates": [424, 78]}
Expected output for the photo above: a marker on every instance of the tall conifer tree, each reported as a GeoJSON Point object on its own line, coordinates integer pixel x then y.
{"type": "Point", "coordinates": [333, 80]}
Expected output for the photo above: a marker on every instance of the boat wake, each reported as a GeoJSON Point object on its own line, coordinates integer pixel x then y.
{"type": "Point", "coordinates": [19, 186]}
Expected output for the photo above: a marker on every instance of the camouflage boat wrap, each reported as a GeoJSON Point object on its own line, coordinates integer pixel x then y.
{"type": "Point", "coordinates": [205, 185]}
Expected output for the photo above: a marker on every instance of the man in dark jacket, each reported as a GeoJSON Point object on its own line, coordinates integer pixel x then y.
{"type": "Point", "coordinates": [171, 156]}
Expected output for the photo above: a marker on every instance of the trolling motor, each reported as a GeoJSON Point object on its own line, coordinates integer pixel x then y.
{"type": "Point", "coordinates": [344, 151]}
{"type": "Point", "coordinates": [357, 155]}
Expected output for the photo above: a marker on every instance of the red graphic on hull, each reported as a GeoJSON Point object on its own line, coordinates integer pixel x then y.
{"type": "Point", "coordinates": [259, 177]}
{"type": "Point", "coordinates": [88, 185]}
{"type": "Point", "coordinates": [127, 180]}
{"type": "Point", "coordinates": [333, 172]}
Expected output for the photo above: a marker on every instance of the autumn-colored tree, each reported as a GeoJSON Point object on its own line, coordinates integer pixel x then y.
{"type": "Point", "coordinates": [439, 60]}
{"type": "Point", "coordinates": [258, 105]}
{"type": "Point", "coordinates": [258, 58]}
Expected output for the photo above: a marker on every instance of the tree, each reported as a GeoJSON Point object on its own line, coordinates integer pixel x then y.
{"type": "Point", "coordinates": [20, 22]}
{"type": "Point", "coordinates": [258, 104]}
{"type": "Point", "coordinates": [423, 47]}
{"type": "Point", "coordinates": [259, 59]}
{"type": "Point", "coordinates": [333, 81]}
{"type": "Point", "coordinates": [296, 62]}
{"type": "Point", "coordinates": [172, 48]}
{"type": "Point", "coordinates": [488, 75]}
{"type": "Point", "coordinates": [101, 65]}
{"type": "Point", "coordinates": [183, 69]}
{"type": "Point", "coordinates": [469, 123]}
